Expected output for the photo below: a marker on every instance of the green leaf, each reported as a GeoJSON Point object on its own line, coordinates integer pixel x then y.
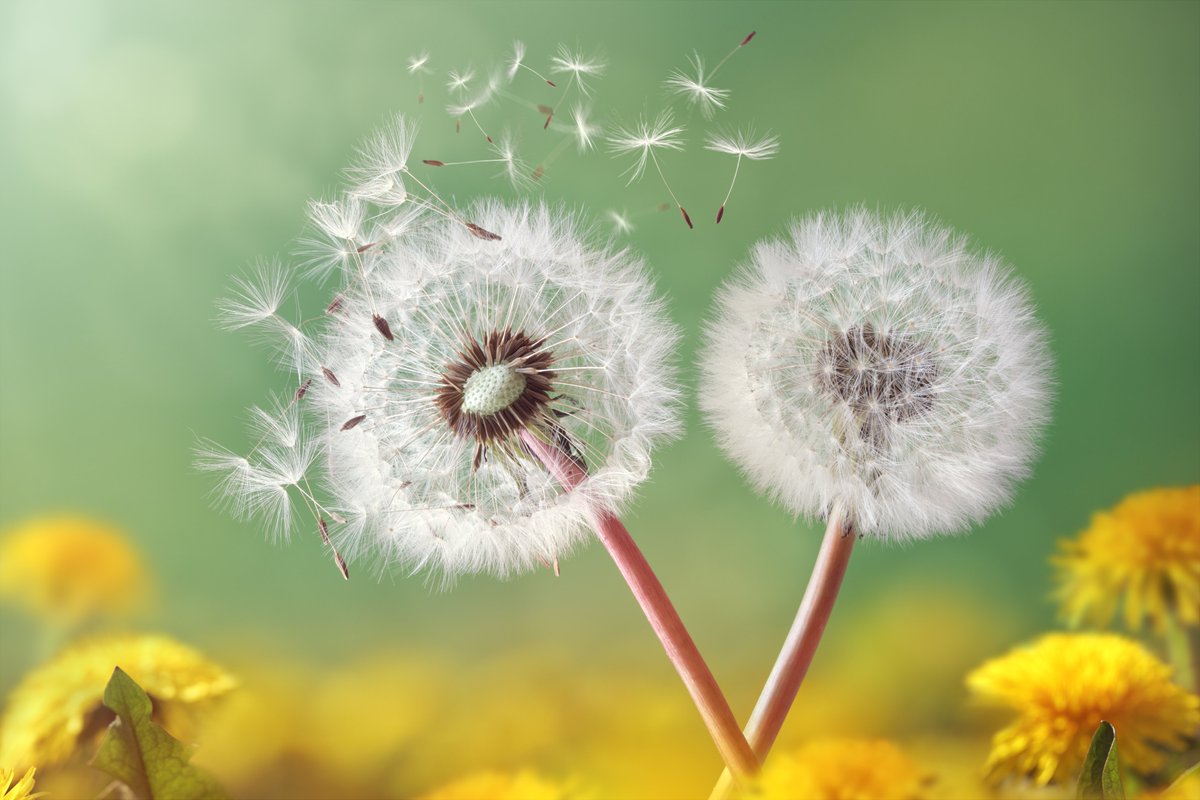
{"type": "Point", "coordinates": [1101, 776]}
{"type": "Point", "coordinates": [142, 755]}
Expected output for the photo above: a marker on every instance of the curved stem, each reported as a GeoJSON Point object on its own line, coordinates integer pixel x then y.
{"type": "Point", "coordinates": [650, 595]}
{"type": "Point", "coordinates": [800, 646]}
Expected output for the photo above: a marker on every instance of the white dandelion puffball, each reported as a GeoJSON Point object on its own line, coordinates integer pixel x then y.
{"type": "Point", "coordinates": [875, 365]}
{"type": "Point", "coordinates": [446, 344]}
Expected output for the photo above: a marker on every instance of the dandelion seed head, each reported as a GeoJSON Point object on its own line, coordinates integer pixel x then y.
{"type": "Point", "coordinates": [745, 144]}
{"type": "Point", "coordinates": [415, 441]}
{"type": "Point", "coordinates": [538, 331]}
{"type": "Point", "coordinates": [875, 364]}
{"type": "Point", "coordinates": [709, 98]}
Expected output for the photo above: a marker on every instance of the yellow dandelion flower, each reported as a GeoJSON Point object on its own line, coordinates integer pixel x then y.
{"type": "Point", "coordinates": [58, 705]}
{"type": "Point", "coordinates": [70, 568]}
{"type": "Point", "coordinates": [843, 769]}
{"type": "Point", "coordinates": [1145, 552]}
{"type": "Point", "coordinates": [12, 789]}
{"type": "Point", "coordinates": [1063, 686]}
{"type": "Point", "coordinates": [523, 785]}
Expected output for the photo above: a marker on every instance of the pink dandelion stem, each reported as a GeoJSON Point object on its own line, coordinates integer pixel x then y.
{"type": "Point", "coordinates": [799, 648]}
{"type": "Point", "coordinates": [661, 614]}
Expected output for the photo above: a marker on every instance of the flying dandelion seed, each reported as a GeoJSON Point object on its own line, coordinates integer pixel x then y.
{"type": "Point", "coordinates": [621, 222]}
{"type": "Point", "coordinates": [478, 100]}
{"type": "Point", "coordinates": [643, 140]}
{"type": "Point", "coordinates": [419, 65]}
{"type": "Point", "coordinates": [513, 168]}
{"type": "Point", "coordinates": [584, 131]}
{"type": "Point", "coordinates": [742, 144]}
{"type": "Point", "coordinates": [730, 54]}
{"type": "Point", "coordinates": [459, 83]}
{"type": "Point", "coordinates": [580, 131]}
{"type": "Point", "coordinates": [695, 90]}
{"type": "Point", "coordinates": [580, 68]}
{"type": "Point", "coordinates": [517, 63]}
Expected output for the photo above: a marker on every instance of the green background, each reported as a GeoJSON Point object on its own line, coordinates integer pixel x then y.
{"type": "Point", "coordinates": [149, 151]}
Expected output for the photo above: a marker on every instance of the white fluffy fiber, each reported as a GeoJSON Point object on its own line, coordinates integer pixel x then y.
{"type": "Point", "coordinates": [941, 469]}
{"type": "Point", "coordinates": [399, 485]}
{"type": "Point", "coordinates": [402, 479]}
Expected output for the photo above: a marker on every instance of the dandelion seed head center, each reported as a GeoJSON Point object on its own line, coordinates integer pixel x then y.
{"type": "Point", "coordinates": [492, 389]}
{"type": "Point", "coordinates": [878, 375]}
{"type": "Point", "coordinates": [500, 383]}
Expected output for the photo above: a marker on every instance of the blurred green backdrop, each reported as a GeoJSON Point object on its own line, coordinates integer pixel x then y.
{"type": "Point", "coordinates": [149, 151]}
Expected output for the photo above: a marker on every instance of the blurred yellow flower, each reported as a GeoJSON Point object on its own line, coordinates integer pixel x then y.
{"type": "Point", "coordinates": [523, 785]}
{"type": "Point", "coordinates": [366, 714]}
{"type": "Point", "coordinates": [1063, 686]}
{"type": "Point", "coordinates": [58, 705]}
{"type": "Point", "coordinates": [70, 568]}
{"type": "Point", "coordinates": [20, 790]}
{"type": "Point", "coordinates": [843, 769]}
{"type": "Point", "coordinates": [1144, 552]}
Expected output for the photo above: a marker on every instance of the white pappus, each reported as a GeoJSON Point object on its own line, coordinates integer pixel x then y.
{"type": "Point", "coordinates": [875, 364]}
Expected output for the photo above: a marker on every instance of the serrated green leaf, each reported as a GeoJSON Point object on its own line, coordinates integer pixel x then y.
{"type": "Point", "coordinates": [1101, 776]}
{"type": "Point", "coordinates": [142, 755]}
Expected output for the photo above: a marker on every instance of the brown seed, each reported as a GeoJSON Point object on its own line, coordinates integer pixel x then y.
{"type": "Point", "coordinates": [482, 233]}
{"type": "Point", "coordinates": [552, 83]}
{"type": "Point", "coordinates": [746, 41]}
{"type": "Point", "coordinates": [720, 213]}
{"type": "Point", "coordinates": [546, 110]}
{"type": "Point", "coordinates": [324, 529]}
{"type": "Point", "coordinates": [353, 422]}
{"type": "Point", "coordinates": [434, 162]}
{"type": "Point", "coordinates": [382, 326]}
{"type": "Point", "coordinates": [302, 389]}
{"type": "Point", "coordinates": [341, 565]}
{"type": "Point", "coordinates": [335, 305]}
{"type": "Point", "coordinates": [538, 172]}
{"type": "Point", "coordinates": [686, 218]}
{"type": "Point", "coordinates": [329, 376]}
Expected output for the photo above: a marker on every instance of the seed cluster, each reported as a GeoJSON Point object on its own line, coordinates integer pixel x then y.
{"type": "Point", "coordinates": [884, 378]}
{"type": "Point", "coordinates": [500, 383]}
